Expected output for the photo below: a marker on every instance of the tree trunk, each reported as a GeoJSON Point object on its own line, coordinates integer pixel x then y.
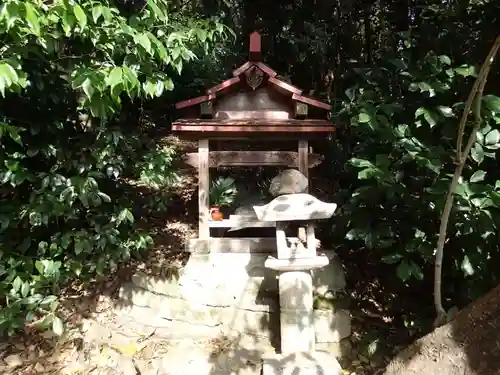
{"type": "Point", "coordinates": [468, 345]}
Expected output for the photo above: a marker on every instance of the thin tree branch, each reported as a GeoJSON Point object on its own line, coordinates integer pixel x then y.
{"type": "Point", "coordinates": [476, 95]}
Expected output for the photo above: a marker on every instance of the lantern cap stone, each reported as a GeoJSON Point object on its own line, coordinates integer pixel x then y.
{"type": "Point", "coordinates": [292, 207]}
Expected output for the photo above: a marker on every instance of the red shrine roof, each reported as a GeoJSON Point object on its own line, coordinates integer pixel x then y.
{"type": "Point", "coordinates": [253, 100]}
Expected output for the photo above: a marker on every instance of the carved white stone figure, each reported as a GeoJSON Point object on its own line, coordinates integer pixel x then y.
{"type": "Point", "coordinates": [292, 207]}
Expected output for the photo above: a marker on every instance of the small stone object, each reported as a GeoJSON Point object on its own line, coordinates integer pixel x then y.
{"type": "Point", "coordinates": [290, 181]}
{"type": "Point", "coordinates": [315, 363]}
{"type": "Point", "coordinates": [13, 360]}
{"type": "Point", "coordinates": [39, 368]}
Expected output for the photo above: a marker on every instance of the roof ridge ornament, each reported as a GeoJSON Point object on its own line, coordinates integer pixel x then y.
{"type": "Point", "coordinates": [254, 77]}
{"type": "Point", "coordinates": [255, 47]}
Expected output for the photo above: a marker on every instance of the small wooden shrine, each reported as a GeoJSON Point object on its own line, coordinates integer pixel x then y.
{"type": "Point", "coordinates": [252, 105]}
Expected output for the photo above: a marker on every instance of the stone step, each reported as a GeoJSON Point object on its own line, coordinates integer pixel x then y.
{"type": "Point", "coordinates": [209, 289]}
{"type": "Point", "coordinates": [146, 321]}
{"type": "Point", "coordinates": [209, 310]}
{"type": "Point", "coordinates": [254, 300]}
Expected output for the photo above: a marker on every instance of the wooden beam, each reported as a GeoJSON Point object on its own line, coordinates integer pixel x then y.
{"type": "Point", "coordinates": [253, 158]}
{"type": "Point", "coordinates": [285, 86]}
{"type": "Point", "coordinates": [194, 101]}
{"type": "Point", "coordinates": [253, 129]}
{"type": "Point", "coordinates": [310, 101]}
{"type": "Point", "coordinates": [266, 69]}
{"type": "Point", "coordinates": [232, 245]}
{"type": "Point", "coordinates": [256, 122]}
{"type": "Point", "coordinates": [303, 168]}
{"type": "Point", "coordinates": [303, 158]}
{"type": "Point", "coordinates": [250, 137]}
{"type": "Point", "coordinates": [252, 115]}
{"type": "Point", "coordinates": [242, 68]}
{"type": "Point", "coordinates": [223, 85]}
{"type": "Point", "coordinates": [238, 222]}
{"type": "Point", "coordinates": [203, 189]}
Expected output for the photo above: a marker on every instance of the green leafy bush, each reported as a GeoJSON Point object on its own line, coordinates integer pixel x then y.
{"type": "Point", "coordinates": [402, 118]}
{"type": "Point", "coordinates": [69, 71]}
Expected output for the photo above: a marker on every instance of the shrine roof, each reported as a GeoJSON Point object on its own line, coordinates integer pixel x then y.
{"type": "Point", "coordinates": [254, 99]}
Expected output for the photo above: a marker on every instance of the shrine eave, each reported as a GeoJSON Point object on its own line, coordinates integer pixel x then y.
{"type": "Point", "coordinates": [253, 126]}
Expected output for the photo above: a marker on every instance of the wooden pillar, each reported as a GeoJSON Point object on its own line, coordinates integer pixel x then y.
{"type": "Point", "coordinates": [203, 189]}
{"type": "Point", "coordinates": [304, 169]}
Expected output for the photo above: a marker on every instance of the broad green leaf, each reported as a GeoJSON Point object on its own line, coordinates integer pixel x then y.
{"type": "Point", "coordinates": [495, 198]}
{"type": "Point", "coordinates": [425, 87]}
{"type": "Point", "coordinates": [391, 259]}
{"type": "Point", "coordinates": [25, 289]}
{"type": "Point", "coordinates": [130, 217]}
{"type": "Point", "coordinates": [17, 283]}
{"type": "Point", "coordinates": [176, 52]}
{"type": "Point", "coordinates": [201, 34]}
{"type": "Point", "coordinates": [8, 77]}
{"type": "Point", "coordinates": [68, 22]}
{"type": "Point", "coordinates": [80, 15]}
{"type": "Point", "coordinates": [492, 138]}
{"type": "Point", "coordinates": [430, 116]}
{"type": "Point", "coordinates": [178, 65]}
{"type": "Point", "coordinates": [131, 81]}
{"type": "Point", "coordinates": [445, 111]}
{"type": "Point", "coordinates": [419, 112]}
{"type": "Point", "coordinates": [32, 18]}
{"type": "Point", "coordinates": [466, 266]}
{"type": "Point", "coordinates": [477, 153]}
{"type": "Point", "coordinates": [125, 214]}
{"type": "Point", "coordinates": [363, 117]}
{"type": "Point", "coordinates": [492, 103]}
{"type": "Point", "coordinates": [360, 163]}
{"type": "Point", "coordinates": [169, 84]}
{"type": "Point", "coordinates": [115, 77]}
{"type": "Point", "coordinates": [466, 70]}
{"type": "Point", "coordinates": [96, 12]}
{"type": "Point", "coordinates": [88, 88]}
{"type": "Point", "coordinates": [156, 10]}
{"type": "Point", "coordinates": [478, 176]}
{"type": "Point", "coordinates": [143, 40]}
{"type": "Point", "coordinates": [445, 59]}
{"type": "Point", "coordinates": [57, 326]}
{"type": "Point", "coordinates": [404, 271]}
{"type": "Point", "coordinates": [416, 271]}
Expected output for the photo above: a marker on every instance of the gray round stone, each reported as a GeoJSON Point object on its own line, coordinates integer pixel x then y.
{"type": "Point", "coordinates": [290, 181]}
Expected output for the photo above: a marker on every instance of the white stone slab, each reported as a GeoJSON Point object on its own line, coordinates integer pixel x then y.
{"type": "Point", "coordinates": [317, 363]}
{"type": "Point", "coordinates": [292, 207]}
{"type": "Point", "coordinates": [296, 264]}
{"type": "Point", "coordinates": [296, 290]}
{"type": "Point", "coordinates": [297, 330]}
{"type": "Point", "coordinates": [331, 326]}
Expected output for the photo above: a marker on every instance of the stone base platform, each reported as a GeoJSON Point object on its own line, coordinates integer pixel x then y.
{"type": "Point", "coordinates": [315, 363]}
{"type": "Point", "coordinates": [230, 293]}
